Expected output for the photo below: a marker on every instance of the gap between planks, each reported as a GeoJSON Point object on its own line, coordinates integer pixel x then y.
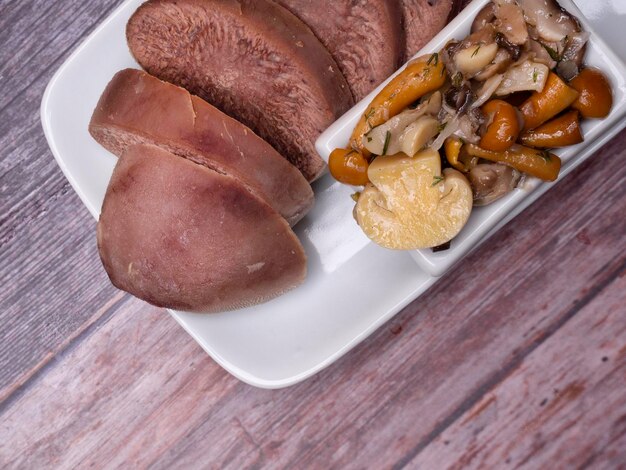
{"type": "Point", "coordinates": [29, 377]}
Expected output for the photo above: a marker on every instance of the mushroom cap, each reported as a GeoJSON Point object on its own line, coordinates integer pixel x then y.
{"type": "Point", "coordinates": [410, 204]}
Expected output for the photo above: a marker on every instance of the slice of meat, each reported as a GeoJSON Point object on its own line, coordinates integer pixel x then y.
{"type": "Point", "coordinates": [136, 107]}
{"type": "Point", "coordinates": [364, 37]}
{"type": "Point", "coordinates": [179, 235]}
{"type": "Point", "coordinates": [254, 60]}
{"type": "Point", "coordinates": [423, 19]}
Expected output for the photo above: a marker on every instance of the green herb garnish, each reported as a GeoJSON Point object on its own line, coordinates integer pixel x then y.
{"type": "Point", "coordinates": [437, 180]}
{"type": "Point", "coordinates": [368, 115]}
{"type": "Point", "coordinates": [387, 139]}
{"type": "Point", "coordinates": [476, 51]}
{"type": "Point", "coordinates": [554, 55]}
{"type": "Point", "coordinates": [434, 59]}
{"type": "Point", "coordinates": [535, 75]}
{"type": "Point", "coordinates": [355, 196]}
{"type": "Point", "coordinates": [442, 126]}
{"type": "Point", "coordinates": [369, 139]}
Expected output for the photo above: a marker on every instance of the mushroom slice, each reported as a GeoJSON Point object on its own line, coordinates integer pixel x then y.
{"type": "Point", "coordinates": [526, 76]}
{"type": "Point", "coordinates": [500, 63]}
{"type": "Point", "coordinates": [386, 138]}
{"type": "Point", "coordinates": [473, 59]}
{"type": "Point", "coordinates": [572, 56]}
{"type": "Point", "coordinates": [511, 23]}
{"type": "Point", "coordinates": [417, 134]}
{"type": "Point", "coordinates": [383, 139]}
{"type": "Point", "coordinates": [489, 88]}
{"type": "Point", "coordinates": [410, 204]}
{"type": "Point", "coordinates": [491, 181]}
{"type": "Point", "coordinates": [551, 21]}
{"type": "Point", "coordinates": [540, 54]}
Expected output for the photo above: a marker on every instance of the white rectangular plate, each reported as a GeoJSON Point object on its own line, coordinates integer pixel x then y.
{"type": "Point", "coordinates": [290, 338]}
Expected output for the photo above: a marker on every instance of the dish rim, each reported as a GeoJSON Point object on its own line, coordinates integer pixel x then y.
{"type": "Point", "coordinates": [233, 369]}
{"type": "Point", "coordinates": [439, 264]}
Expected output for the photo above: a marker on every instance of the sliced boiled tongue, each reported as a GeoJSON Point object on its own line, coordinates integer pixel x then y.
{"type": "Point", "coordinates": [365, 37]}
{"type": "Point", "coordinates": [179, 235]}
{"type": "Point", "coordinates": [252, 59]}
{"type": "Point", "coordinates": [423, 19]}
{"type": "Point", "coordinates": [136, 108]}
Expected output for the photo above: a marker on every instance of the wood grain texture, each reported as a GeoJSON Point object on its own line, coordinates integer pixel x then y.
{"type": "Point", "coordinates": [547, 409]}
{"type": "Point", "coordinates": [136, 388]}
{"type": "Point", "coordinates": [49, 268]}
{"type": "Point", "coordinates": [92, 377]}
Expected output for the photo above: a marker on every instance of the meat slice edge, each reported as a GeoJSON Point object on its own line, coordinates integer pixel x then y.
{"type": "Point", "coordinates": [138, 108]}
{"type": "Point", "coordinates": [365, 38]}
{"type": "Point", "coordinates": [423, 19]}
{"type": "Point", "coordinates": [252, 59]}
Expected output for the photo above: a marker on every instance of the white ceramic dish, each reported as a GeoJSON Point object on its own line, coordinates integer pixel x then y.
{"type": "Point", "coordinates": [290, 338]}
{"type": "Point", "coordinates": [484, 219]}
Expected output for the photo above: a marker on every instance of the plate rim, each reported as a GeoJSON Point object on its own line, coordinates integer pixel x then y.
{"type": "Point", "coordinates": [239, 373]}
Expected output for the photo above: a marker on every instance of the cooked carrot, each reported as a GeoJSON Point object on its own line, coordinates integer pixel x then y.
{"type": "Point", "coordinates": [560, 132]}
{"type": "Point", "coordinates": [348, 166]}
{"type": "Point", "coordinates": [595, 97]}
{"type": "Point", "coordinates": [421, 76]}
{"type": "Point", "coordinates": [544, 105]}
{"type": "Point", "coordinates": [540, 163]}
{"type": "Point", "coordinates": [504, 128]}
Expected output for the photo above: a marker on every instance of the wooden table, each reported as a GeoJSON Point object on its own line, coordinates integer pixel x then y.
{"type": "Point", "coordinates": [517, 358]}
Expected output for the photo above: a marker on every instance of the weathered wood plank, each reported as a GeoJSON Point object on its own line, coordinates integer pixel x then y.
{"type": "Point", "coordinates": [37, 35]}
{"type": "Point", "coordinates": [91, 376]}
{"type": "Point", "coordinates": [112, 377]}
{"type": "Point", "coordinates": [137, 391]}
{"type": "Point", "coordinates": [49, 268]}
{"type": "Point", "coordinates": [565, 402]}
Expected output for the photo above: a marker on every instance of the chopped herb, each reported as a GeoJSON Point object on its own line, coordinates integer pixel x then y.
{"type": "Point", "coordinates": [437, 180]}
{"type": "Point", "coordinates": [476, 51]}
{"type": "Point", "coordinates": [442, 126]}
{"type": "Point", "coordinates": [554, 55]}
{"type": "Point", "coordinates": [369, 139]}
{"type": "Point", "coordinates": [387, 139]}
{"type": "Point", "coordinates": [368, 115]}
{"type": "Point", "coordinates": [545, 155]}
{"type": "Point", "coordinates": [434, 59]}
{"type": "Point", "coordinates": [535, 75]}
{"type": "Point", "coordinates": [355, 196]}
